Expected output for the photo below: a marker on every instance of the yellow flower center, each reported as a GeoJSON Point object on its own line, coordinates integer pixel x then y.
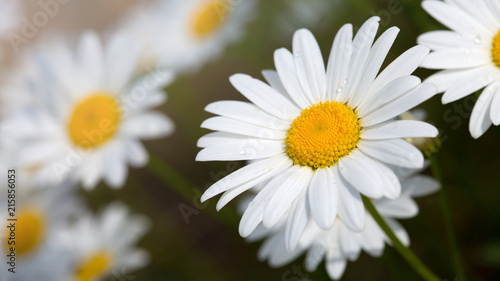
{"type": "Point", "coordinates": [495, 50]}
{"type": "Point", "coordinates": [94, 120]}
{"type": "Point", "coordinates": [322, 134]}
{"type": "Point", "coordinates": [28, 233]}
{"type": "Point", "coordinates": [208, 17]}
{"type": "Point", "coordinates": [95, 267]}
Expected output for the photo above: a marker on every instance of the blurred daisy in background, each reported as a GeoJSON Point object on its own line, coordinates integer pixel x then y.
{"type": "Point", "coordinates": [40, 214]}
{"type": "Point", "coordinates": [339, 244]}
{"type": "Point", "coordinates": [104, 245]}
{"type": "Point", "coordinates": [322, 137]}
{"type": "Point", "coordinates": [469, 53]}
{"type": "Point", "coordinates": [90, 113]}
{"type": "Point", "coordinates": [183, 35]}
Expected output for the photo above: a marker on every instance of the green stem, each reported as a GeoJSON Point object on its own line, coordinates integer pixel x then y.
{"type": "Point", "coordinates": [450, 229]}
{"type": "Point", "coordinates": [404, 251]}
{"type": "Point", "coordinates": [187, 190]}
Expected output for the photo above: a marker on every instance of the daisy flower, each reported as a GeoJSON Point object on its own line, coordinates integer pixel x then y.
{"type": "Point", "coordinates": [89, 113]}
{"type": "Point", "coordinates": [184, 34]}
{"type": "Point", "coordinates": [102, 245]}
{"type": "Point", "coordinates": [321, 134]}
{"type": "Point", "coordinates": [339, 244]}
{"type": "Point", "coordinates": [469, 53]}
{"type": "Point", "coordinates": [40, 214]}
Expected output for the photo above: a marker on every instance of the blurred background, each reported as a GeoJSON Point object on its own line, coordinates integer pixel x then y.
{"type": "Point", "coordinates": [190, 241]}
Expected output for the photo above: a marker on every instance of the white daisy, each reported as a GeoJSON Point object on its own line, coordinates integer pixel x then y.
{"type": "Point", "coordinates": [339, 244]}
{"type": "Point", "coordinates": [184, 34]}
{"type": "Point", "coordinates": [89, 113]}
{"type": "Point", "coordinates": [469, 53]}
{"type": "Point", "coordinates": [320, 133]}
{"type": "Point", "coordinates": [105, 245]}
{"type": "Point", "coordinates": [40, 214]}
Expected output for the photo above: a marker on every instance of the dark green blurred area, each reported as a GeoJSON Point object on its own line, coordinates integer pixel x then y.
{"type": "Point", "coordinates": [207, 248]}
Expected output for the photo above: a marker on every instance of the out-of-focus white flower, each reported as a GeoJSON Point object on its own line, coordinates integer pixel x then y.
{"type": "Point", "coordinates": [321, 136]}
{"type": "Point", "coordinates": [184, 34]}
{"type": "Point", "coordinates": [99, 245]}
{"type": "Point", "coordinates": [339, 244]}
{"type": "Point", "coordinates": [30, 227]}
{"type": "Point", "coordinates": [88, 113]}
{"type": "Point", "coordinates": [469, 53]}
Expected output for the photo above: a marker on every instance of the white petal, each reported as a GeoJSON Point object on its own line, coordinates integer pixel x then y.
{"type": "Point", "coordinates": [351, 209]}
{"type": "Point", "coordinates": [285, 65]}
{"type": "Point", "coordinates": [336, 268]}
{"type": "Point", "coordinates": [403, 207]}
{"type": "Point", "coordinates": [446, 39]}
{"type": "Point", "coordinates": [297, 222]}
{"type": "Point", "coordinates": [390, 181]}
{"type": "Point", "coordinates": [247, 112]}
{"type": "Point", "coordinates": [389, 92]}
{"type": "Point", "coordinates": [420, 185]}
{"type": "Point", "coordinates": [150, 125]}
{"type": "Point", "coordinates": [219, 138]}
{"type": "Point", "coordinates": [228, 125]}
{"type": "Point", "coordinates": [285, 194]}
{"type": "Point", "coordinates": [248, 149]}
{"type": "Point", "coordinates": [314, 257]}
{"type": "Point", "coordinates": [232, 193]}
{"type": "Point", "coordinates": [116, 170]}
{"type": "Point", "coordinates": [402, 104]}
{"type": "Point", "coordinates": [136, 153]}
{"type": "Point", "coordinates": [309, 64]}
{"type": "Point", "coordinates": [359, 171]}
{"type": "Point", "coordinates": [454, 18]}
{"type": "Point", "coordinates": [247, 173]}
{"type": "Point", "coordinates": [274, 80]}
{"type": "Point", "coordinates": [323, 197]}
{"type": "Point", "coordinates": [480, 119]}
{"type": "Point", "coordinates": [400, 129]}
{"type": "Point", "coordinates": [338, 63]}
{"type": "Point", "coordinates": [456, 58]}
{"type": "Point", "coordinates": [475, 81]}
{"type": "Point", "coordinates": [375, 59]}
{"type": "Point", "coordinates": [254, 213]}
{"type": "Point", "coordinates": [495, 108]}
{"type": "Point", "coordinates": [90, 55]}
{"type": "Point", "coordinates": [404, 65]}
{"type": "Point", "coordinates": [121, 60]}
{"type": "Point", "coordinates": [265, 97]}
{"type": "Point", "coordinates": [399, 231]}
{"type": "Point", "coordinates": [396, 152]}
{"type": "Point", "coordinates": [361, 49]}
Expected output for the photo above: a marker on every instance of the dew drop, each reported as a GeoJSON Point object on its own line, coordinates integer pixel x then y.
{"type": "Point", "coordinates": [340, 89]}
{"type": "Point", "coordinates": [243, 152]}
{"type": "Point", "coordinates": [467, 51]}
{"type": "Point", "coordinates": [477, 40]}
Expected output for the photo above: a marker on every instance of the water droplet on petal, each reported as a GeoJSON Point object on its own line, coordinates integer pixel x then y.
{"type": "Point", "coordinates": [477, 40]}
{"type": "Point", "coordinates": [243, 152]}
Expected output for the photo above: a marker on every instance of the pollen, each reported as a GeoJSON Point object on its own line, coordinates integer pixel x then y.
{"type": "Point", "coordinates": [208, 17]}
{"type": "Point", "coordinates": [95, 267]}
{"type": "Point", "coordinates": [29, 232]}
{"type": "Point", "coordinates": [94, 120]}
{"type": "Point", "coordinates": [495, 50]}
{"type": "Point", "coordinates": [322, 134]}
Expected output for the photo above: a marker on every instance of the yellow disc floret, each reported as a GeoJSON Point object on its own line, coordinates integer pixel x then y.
{"type": "Point", "coordinates": [208, 17]}
{"type": "Point", "coordinates": [95, 267]}
{"type": "Point", "coordinates": [28, 233]}
{"type": "Point", "coordinates": [495, 50]}
{"type": "Point", "coordinates": [322, 134]}
{"type": "Point", "coordinates": [94, 120]}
